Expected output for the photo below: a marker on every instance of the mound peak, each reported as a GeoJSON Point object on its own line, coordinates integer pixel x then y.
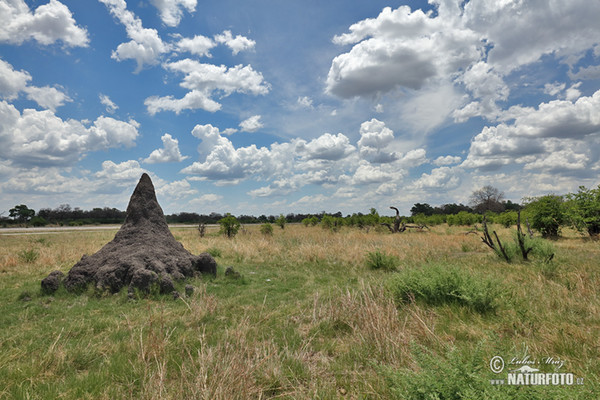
{"type": "Point", "coordinates": [142, 253]}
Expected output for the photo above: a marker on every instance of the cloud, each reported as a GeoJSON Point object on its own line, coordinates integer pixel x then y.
{"type": "Point", "coordinates": [223, 162]}
{"type": "Point", "coordinates": [523, 32]}
{"type": "Point", "coordinates": [198, 45]}
{"type": "Point", "coordinates": [442, 178]}
{"type": "Point", "coordinates": [488, 87]}
{"type": "Point", "coordinates": [169, 152]}
{"type": "Point", "coordinates": [446, 160]}
{"type": "Point", "coordinates": [108, 103]}
{"type": "Point", "coordinates": [49, 23]}
{"type": "Point", "coordinates": [305, 102]}
{"type": "Point", "coordinates": [367, 174]}
{"type": "Point", "coordinates": [145, 46]}
{"type": "Point", "coordinates": [40, 138]}
{"type": "Point", "coordinates": [171, 11]}
{"type": "Point", "coordinates": [326, 147]}
{"type": "Point", "coordinates": [400, 48]}
{"type": "Point", "coordinates": [13, 82]}
{"type": "Point", "coordinates": [375, 139]}
{"type": "Point", "coordinates": [193, 100]}
{"type": "Point", "coordinates": [236, 44]}
{"type": "Point", "coordinates": [203, 80]}
{"type": "Point", "coordinates": [251, 124]}
{"type": "Point", "coordinates": [47, 97]}
{"type": "Point", "coordinates": [177, 189]}
{"type": "Point", "coordinates": [121, 174]}
{"type": "Point", "coordinates": [556, 122]}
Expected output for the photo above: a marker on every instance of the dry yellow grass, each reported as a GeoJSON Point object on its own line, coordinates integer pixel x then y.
{"type": "Point", "coordinates": [307, 320]}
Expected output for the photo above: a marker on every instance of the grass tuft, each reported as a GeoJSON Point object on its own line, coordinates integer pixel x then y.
{"type": "Point", "coordinates": [381, 261]}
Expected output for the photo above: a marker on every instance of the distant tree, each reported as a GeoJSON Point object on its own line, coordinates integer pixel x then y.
{"type": "Point", "coordinates": [421, 208]}
{"type": "Point", "coordinates": [21, 213]}
{"type": "Point", "coordinates": [488, 198]}
{"type": "Point", "coordinates": [450, 209]}
{"type": "Point", "coordinates": [510, 206]}
{"type": "Point", "coordinates": [281, 221]}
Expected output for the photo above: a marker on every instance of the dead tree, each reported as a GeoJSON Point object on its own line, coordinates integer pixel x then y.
{"type": "Point", "coordinates": [521, 237]}
{"type": "Point", "coordinates": [487, 239]}
{"type": "Point", "coordinates": [400, 226]}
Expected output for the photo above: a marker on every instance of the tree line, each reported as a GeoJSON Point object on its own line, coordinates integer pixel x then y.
{"type": "Point", "coordinates": [547, 214]}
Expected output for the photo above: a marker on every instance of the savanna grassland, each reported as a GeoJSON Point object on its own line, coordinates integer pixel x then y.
{"type": "Point", "coordinates": [316, 314]}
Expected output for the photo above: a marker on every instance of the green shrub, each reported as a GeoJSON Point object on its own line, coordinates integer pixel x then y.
{"type": "Point", "coordinates": [332, 223]}
{"type": "Point", "coordinates": [463, 218]}
{"type": "Point", "coordinates": [506, 219]}
{"type": "Point", "coordinates": [38, 221]}
{"type": "Point", "coordinates": [547, 214]}
{"type": "Point", "coordinates": [266, 229]}
{"type": "Point", "coordinates": [444, 284]}
{"type": "Point", "coordinates": [583, 210]}
{"type": "Point", "coordinates": [310, 221]}
{"type": "Point", "coordinates": [378, 260]}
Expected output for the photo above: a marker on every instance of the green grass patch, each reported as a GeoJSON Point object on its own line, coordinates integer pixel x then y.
{"type": "Point", "coordinates": [441, 284]}
{"type": "Point", "coordinates": [379, 260]}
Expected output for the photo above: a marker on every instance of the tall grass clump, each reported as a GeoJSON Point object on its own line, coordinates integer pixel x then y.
{"type": "Point", "coordinates": [444, 284]}
{"type": "Point", "coordinates": [28, 256]}
{"type": "Point", "coordinates": [381, 261]}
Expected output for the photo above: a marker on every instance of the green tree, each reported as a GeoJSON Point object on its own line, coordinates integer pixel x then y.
{"type": "Point", "coordinates": [229, 225]}
{"type": "Point", "coordinates": [547, 214]}
{"type": "Point", "coordinates": [281, 221]}
{"type": "Point", "coordinates": [21, 213]}
{"type": "Point", "coordinates": [421, 208]}
{"type": "Point", "coordinates": [583, 210]}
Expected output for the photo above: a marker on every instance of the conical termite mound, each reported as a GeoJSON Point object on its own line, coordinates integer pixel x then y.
{"type": "Point", "coordinates": [142, 254]}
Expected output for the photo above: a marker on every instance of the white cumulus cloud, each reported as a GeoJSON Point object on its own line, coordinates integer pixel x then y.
{"type": "Point", "coordinates": [251, 124]}
{"type": "Point", "coordinates": [47, 24]}
{"type": "Point", "coordinates": [171, 11]}
{"type": "Point", "coordinates": [168, 153]}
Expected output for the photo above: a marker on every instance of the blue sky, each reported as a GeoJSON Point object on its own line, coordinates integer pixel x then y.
{"type": "Point", "coordinates": [269, 107]}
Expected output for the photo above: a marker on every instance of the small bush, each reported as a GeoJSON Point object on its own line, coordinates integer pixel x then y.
{"type": "Point", "coordinates": [38, 221]}
{"type": "Point", "coordinates": [443, 284]}
{"type": "Point", "coordinates": [266, 229]}
{"type": "Point", "coordinates": [378, 260]}
{"type": "Point", "coordinates": [28, 256]}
